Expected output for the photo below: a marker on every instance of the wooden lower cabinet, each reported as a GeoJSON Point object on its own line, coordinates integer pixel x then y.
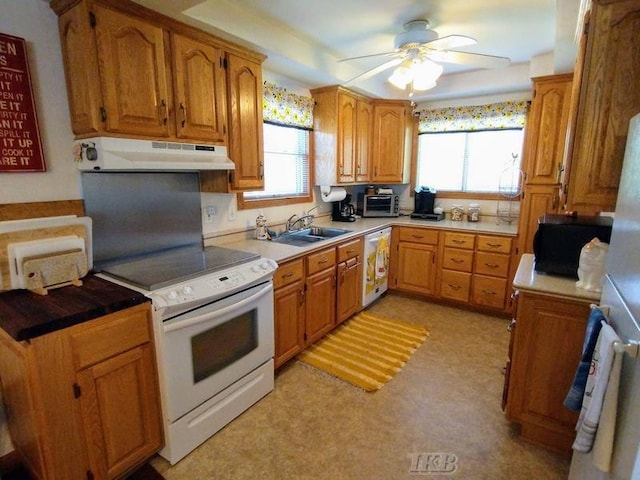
{"type": "Point", "coordinates": [312, 296]}
{"type": "Point", "coordinates": [289, 310]}
{"type": "Point", "coordinates": [546, 349]}
{"type": "Point", "coordinates": [349, 280]}
{"type": "Point", "coordinates": [83, 402]}
{"type": "Point", "coordinates": [320, 304]}
{"type": "Point", "coordinates": [413, 260]}
{"type": "Point", "coordinates": [465, 268]}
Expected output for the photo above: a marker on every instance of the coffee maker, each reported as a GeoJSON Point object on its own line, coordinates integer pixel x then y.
{"type": "Point", "coordinates": [424, 199]}
{"type": "Point", "coordinates": [343, 210]}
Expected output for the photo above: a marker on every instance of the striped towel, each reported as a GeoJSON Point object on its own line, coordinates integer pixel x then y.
{"type": "Point", "coordinates": [595, 389]}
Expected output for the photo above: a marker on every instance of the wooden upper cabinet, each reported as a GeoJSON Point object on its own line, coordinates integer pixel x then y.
{"type": "Point", "coordinates": [244, 83]}
{"type": "Point", "coordinates": [547, 129]}
{"type": "Point", "coordinates": [133, 74]}
{"type": "Point", "coordinates": [81, 65]}
{"type": "Point", "coordinates": [199, 87]}
{"type": "Point", "coordinates": [364, 129]}
{"type": "Point", "coordinates": [607, 101]}
{"type": "Point", "coordinates": [347, 134]}
{"type": "Point", "coordinates": [343, 123]}
{"type": "Point", "coordinates": [391, 141]}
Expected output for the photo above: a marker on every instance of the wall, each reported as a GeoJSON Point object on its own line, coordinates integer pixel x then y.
{"type": "Point", "coordinates": [34, 21]}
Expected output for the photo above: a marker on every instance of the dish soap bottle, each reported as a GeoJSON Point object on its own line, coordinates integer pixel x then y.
{"type": "Point", "coordinates": [261, 227]}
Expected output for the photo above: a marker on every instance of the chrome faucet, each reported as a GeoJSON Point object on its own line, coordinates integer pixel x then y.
{"type": "Point", "coordinates": [289, 223]}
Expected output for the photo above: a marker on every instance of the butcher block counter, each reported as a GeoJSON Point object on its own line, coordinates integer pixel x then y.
{"type": "Point", "coordinates": [25, 315]}
{"type": "Point", "coordinates": [76, 365]}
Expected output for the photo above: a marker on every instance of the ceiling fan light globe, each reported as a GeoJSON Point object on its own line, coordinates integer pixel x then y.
{"type": "Point", "coordinates": [427, 68]}
{"type": "Point", "coordinates": [400, 77]}
{"type": "Point", "coordinates": [423, 84]}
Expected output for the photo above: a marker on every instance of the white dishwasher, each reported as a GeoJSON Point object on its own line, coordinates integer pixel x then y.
{"type": "Point", "coordinates": [376, 259]}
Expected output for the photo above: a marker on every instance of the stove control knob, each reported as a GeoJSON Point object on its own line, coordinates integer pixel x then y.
{"type": "Point", "coordinates": [255, 269]}
{"type": "Point", "coordinates": [172, 296]}
{"type": "Point", "coordinates": [187, 290]}
{"type": "Point", "coordinates": [264, 266]}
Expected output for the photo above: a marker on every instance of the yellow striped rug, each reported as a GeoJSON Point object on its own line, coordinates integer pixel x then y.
{"type": "Point", "coordinates": [367, 350]}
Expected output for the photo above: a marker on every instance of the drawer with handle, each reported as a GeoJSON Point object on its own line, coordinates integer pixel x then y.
{"type": "Point", "coordinates": [459, 240]}
{"type": "Point", "coordinates": [418, 235]}
{"type": "Point", "coordinates": [321, 260]}
{"type": "Point", "coordinates": [489, 291]}
{"type": "Point", "coordinates": [494, 264]}
{"type": "Point", "coordinates": [288, 273]}
{"type": "Point", "coordinates": [488, 243]}
{"type": "Point", "coordinates": [455, 285]}
{"type": "Point", "coordinates": [457, 259]}
{"type": "Point", "coordinates": [349, 250]}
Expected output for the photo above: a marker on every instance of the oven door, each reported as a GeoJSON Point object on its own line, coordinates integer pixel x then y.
{"type": "Point", "coordinates": [209, 348]}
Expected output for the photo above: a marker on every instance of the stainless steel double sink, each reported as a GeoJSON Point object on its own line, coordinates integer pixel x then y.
{"type": "Point", "coordinates": [306, 236]}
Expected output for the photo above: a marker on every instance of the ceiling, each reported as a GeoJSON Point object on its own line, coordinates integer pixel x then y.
{"type": "Point", "coordinates": [304, 39]}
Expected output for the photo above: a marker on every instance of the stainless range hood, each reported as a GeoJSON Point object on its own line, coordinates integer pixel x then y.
{"type": "Point", "coordinates": [125, 154]}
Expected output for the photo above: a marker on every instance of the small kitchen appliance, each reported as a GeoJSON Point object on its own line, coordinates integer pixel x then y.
{"type": "Point", "coordinates": [343, 210]}
{"type": "Point", "coordinates": [378, 205]}
{"type": "Point", "coordinates": [424, 200]}
{"type": "Point", "coordinates": [560, 238]}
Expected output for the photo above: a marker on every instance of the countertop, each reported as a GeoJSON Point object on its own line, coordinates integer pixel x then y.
{"type": "Point", "coordinates": [25, 315]}
{"type": "Point", "coordinates": [528, 280]}
{"type": "Point", "coordinates": [281, 252]}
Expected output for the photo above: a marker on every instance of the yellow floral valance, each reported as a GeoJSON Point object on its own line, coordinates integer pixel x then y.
{"type": "Point", "coordinates": [284, 108]}
{"type": "Point", "coordinates": [494, 116]}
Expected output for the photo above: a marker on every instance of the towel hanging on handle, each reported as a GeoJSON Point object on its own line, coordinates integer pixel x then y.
{"type": "Point", "coordinates": [596, 387]}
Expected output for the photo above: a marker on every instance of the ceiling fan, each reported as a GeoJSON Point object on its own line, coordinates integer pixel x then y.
{"type": "Point", "coordinates": [418, 46]}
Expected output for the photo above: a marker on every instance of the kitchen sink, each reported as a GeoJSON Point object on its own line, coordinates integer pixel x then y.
{"type": "Point", "coordinates": [308, 236]}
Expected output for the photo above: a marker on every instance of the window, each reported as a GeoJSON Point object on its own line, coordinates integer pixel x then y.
{"type": "Point", "coordinates": [469, 161]}
{"type": "Point", "coordinates": [470, 148]}
{"type": "Point", "coordinates": [288, 121]}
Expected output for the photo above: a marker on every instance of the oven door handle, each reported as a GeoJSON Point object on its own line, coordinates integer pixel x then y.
{"type": "Point", "coordinates": [206, 317]}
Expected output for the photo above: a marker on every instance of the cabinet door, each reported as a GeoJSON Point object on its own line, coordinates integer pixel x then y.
{"type": "Point", "coordinates": [389, 130]}
{"type": "Point", "coordinates": [80, 65]}
{"type": "Point", "coordinates": [547, 129]}
{"type": "Point", "coordinates": [119, 402]}
{"type": "Point", "coordinates": [349, 295]}
{"type": "Point", "coordinates": [288, 303]}
{"type": "Point", "coordinates": [347, 131]}
{"type": "Point", "coordinates": [606, 103]}
{"type": "Point", "coordinates": [244, 84]}
{"type": "Point", "coordinates": [537, 200]}
{"type": "Point", "coordinates": [320, 311]}
{"type": "Point", "coordinates": [416, 267]}
{"type": "Point", "coordinates": [199, 90]}
{"type": "Point", "coordinates": [363, 137]}
{"type": "Point", "coordinates": [132, 73]}
{"type": "Point", "coordinates": [539, 377]}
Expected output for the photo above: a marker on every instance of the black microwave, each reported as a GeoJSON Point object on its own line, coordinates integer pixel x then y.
{"type": "Point", "coordinates": [559, 240]}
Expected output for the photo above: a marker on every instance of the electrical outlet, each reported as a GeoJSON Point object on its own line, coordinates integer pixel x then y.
{"type": "Point", "coordinates": [209, 214]}
{"type": "Point", "coordinates": [231, 214]}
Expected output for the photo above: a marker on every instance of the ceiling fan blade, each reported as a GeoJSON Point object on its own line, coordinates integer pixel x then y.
{"type": "Point", "coordinates": [374, 71]}
{"type": "Point", "coordinates": [471, 59]}
{"type": "Point", "coordinates": [451, 41]}
{"type": "Point", "coordinates": [395, 52]}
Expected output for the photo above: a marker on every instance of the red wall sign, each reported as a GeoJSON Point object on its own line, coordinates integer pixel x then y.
{"type": "Point", "coordinates": [20, 145]}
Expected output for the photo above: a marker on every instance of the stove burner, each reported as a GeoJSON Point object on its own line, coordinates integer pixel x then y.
{"type": "Point", "coordinates": [166, 268]}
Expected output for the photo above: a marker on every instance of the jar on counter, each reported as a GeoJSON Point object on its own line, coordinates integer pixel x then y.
{"type": "Point", "coordinates": [457, 213]}
{"type": "Point", "coordinates": [473, 212]}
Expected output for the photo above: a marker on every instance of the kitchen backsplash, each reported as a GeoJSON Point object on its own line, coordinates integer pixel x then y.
{"type": "Point", "coordinates": [224, 218]}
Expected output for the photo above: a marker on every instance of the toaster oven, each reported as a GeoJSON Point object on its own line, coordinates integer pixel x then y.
{"type": "Point", "coordinates": [381, 205]}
